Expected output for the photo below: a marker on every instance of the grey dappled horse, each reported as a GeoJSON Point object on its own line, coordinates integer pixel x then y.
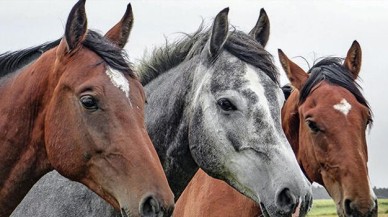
{"type": "Point", "coordinates": [213, 102]}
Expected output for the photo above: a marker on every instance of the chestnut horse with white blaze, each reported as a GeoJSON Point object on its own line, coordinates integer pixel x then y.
{"type": "Point", "coordinates": [79, 109]}
{"type": "Point", "coordinates": [325, 119]}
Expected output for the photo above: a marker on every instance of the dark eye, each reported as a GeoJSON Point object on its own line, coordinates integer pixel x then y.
{"type": "Point", "coordinates": [313, 126]}
{"type": "Point", "coordinates": [89, 102]}
{"type": "Point", "coordinates": [226, 105]}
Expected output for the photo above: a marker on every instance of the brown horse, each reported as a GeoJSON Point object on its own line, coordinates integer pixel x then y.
{"type": "Point", "coordinates": [210, 197]}
{"type": "Point", "coordinates": [325, 119]}
{"type": "Point", "coordinates": [79, 109]}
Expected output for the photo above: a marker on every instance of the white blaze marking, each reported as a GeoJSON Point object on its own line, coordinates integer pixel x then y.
{"type": "Point", "coordinates": [343, 107]}
{"type": "Point", "coordinates": [256, 86]}
{"type": "Point", "coordinates": [118, 80]}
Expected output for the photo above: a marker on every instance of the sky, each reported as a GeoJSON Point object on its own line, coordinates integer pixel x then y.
{"type": "Point", "coordinates": [309, 28]}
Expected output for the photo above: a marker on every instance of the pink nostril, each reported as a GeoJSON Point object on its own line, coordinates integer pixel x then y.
{"type": "Point", "coordinates": [348, 208]}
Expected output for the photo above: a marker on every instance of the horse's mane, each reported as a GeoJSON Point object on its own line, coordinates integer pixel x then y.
{"type": "Point", "coordinates": [13, 61]}
{"type": "Point", "coordinates": [114, 56]}
{"type": "Point", "coordinates": [331, 69]}
{"type": "Point", "coordinates": [287, 89]}
{"type": "Point", "coordinates": [239, 44]}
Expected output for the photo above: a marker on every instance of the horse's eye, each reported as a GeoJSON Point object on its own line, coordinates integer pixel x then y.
{"type": "Point", "coordinates": [313, 126]}
{"type": "Point", "coordinates": [226, 105]}
{"type": "Point", "coordinates": [89, 102]}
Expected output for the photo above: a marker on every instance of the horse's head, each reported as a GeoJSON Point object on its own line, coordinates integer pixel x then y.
{"type": "Point", "coordinates": [235, 130]}
{"type": "Point", "coordinates": [94, 121]}
{"type": "Point", "coordinates": [325, 118]}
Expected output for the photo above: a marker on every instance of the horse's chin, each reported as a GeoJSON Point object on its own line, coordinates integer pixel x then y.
{"type": "Point", "coordinates": [301, 210]}
{"type": "Point", "coordinates": [340, 211]}
{"type": "Point", "coordinates": [267, 213]}
{"type": "Point", "coordinates": [373, 213]}
{"type": "Point", "coordinates": [125, 213]}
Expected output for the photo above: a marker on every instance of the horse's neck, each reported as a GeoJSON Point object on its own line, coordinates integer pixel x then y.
{"type": "Point", "coordinates": [23, 158]}
{"type": "Point", "coordinates": [167, 123]}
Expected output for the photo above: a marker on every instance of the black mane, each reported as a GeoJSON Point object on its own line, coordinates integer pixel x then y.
{"type": "Point", "coordinates": [13, 61]}
{"type": "Point", "coordinates": [112, 55]}
{"type": "Point", "coordinates": [238, 44]}
{"type": "Point", "coordinates": [332, 70]}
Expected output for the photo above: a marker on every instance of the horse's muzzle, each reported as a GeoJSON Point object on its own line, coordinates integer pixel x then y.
{"type": "Point", "coordinates": [149, 206]}
{"type": "Point", "coordinates": [352, 211]}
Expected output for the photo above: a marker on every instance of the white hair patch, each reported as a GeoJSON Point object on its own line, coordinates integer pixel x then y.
{"type": "Point", "coordinates": [118, 80]}
{"type": "Point", "coordinates": [343, 107]}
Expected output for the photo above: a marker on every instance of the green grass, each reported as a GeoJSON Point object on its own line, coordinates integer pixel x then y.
{"type": "Point", "coordinates": [326, 208]}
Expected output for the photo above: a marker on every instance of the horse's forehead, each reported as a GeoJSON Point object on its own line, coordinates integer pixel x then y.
{"type": "Point", "coordinates": [118, 80]}
{"type": "Point", "coordinates": [337, 97]}
{"type": "Point", "coordinates": [333, 102]}
{"type": "Point", "coordinates": [234, 74]}
{"type": "Point", "coordinates": [261, 85]}
{"type": "Point", "coordinates": [228, 73]}
{"type": "Point", "coordinates": [343, 106]}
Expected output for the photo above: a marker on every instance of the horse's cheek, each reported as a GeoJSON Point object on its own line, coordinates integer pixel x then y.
{"type": "Point", "coordinates": [63, 151]}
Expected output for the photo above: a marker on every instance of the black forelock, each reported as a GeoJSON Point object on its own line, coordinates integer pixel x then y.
{"type": "Point", "coordinates": [246, 48]}
{"type": "Point", "coordinates": [332, 70]}
{"type": "Point", "coordinates": [112, 55]}
{"type": "Point", "coordinates": [287, 89]}
{"type": "Point", "coordinates": [239, 44]}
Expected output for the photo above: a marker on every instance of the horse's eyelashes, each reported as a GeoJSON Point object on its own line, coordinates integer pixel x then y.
{"type": "Point", "coordinates": [313, 126]}
{"type": "Point", "coordinates": [89, 102]}
{"type": "Point", "coordinates": [226, 104]}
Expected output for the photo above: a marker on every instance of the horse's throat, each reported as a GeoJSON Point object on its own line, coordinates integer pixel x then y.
{"type": "Point", "coordinates": [23, 157]}
{"type": "Point", "coordinates": [21, 171]}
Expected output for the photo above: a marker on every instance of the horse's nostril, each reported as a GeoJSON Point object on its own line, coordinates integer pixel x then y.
{"type": "Point", "coordinates": [169, 210]}
{"type": "Point", "coordinates": [348, 208]}
{"type": "Point", "coordinates": [149, 207]}
{"type": "Point", "coordinates": [286, 201]}
{"type": "Point", "coordinates": [376, 205]}
{"type": "Point", "coordinates": [375, 208]}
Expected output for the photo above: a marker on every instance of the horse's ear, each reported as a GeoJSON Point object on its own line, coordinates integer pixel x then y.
{"type": "Point", "coordinates": [353, 59]}
{"type": "Point", "coordinates": [261, 30]}
{"type": "Point", "coordinates": [219, 32]}
{"type": "Point", "coordinates": [76, 26]}
{"type": "Point", "coordinates": [295, 74]}
{"type": "Point", "coordinates": [119, 33]}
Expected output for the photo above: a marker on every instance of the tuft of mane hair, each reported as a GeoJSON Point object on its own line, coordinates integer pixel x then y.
{"type": "Point", "coordinates": [287, 89]}
{"type": "Point", "coordinates": [112, 54]}
{"type": "Point", "coordinates": [15, 60]}
{"type": "Point", "coordinates": [238, 43]}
